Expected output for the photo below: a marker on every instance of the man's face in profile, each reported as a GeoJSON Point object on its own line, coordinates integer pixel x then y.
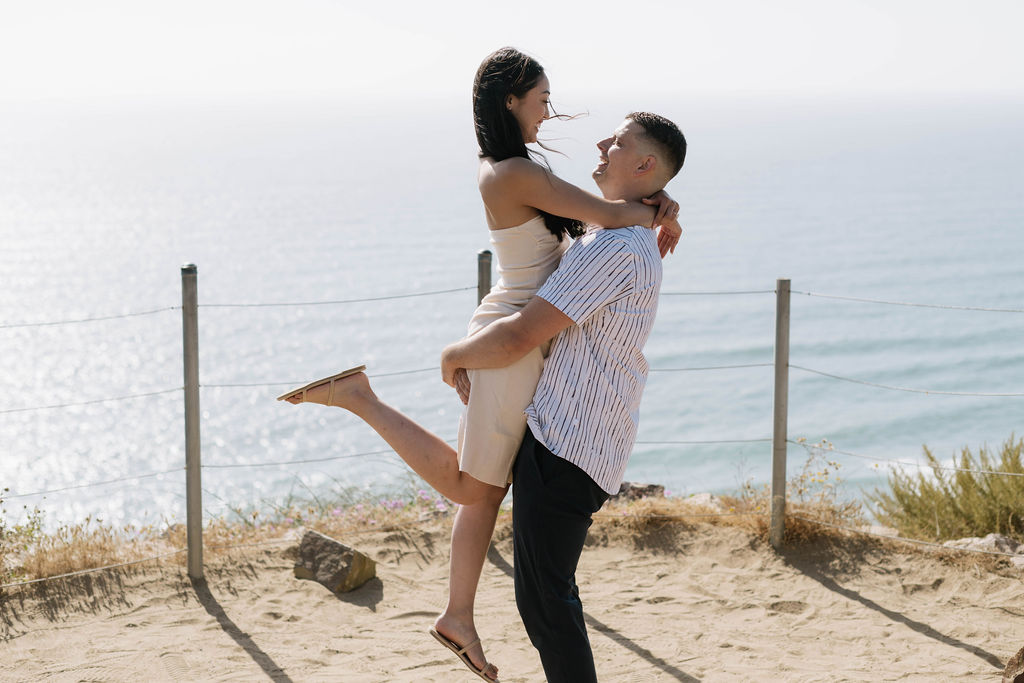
{"type": "Point", "coordinates": [621, 153]}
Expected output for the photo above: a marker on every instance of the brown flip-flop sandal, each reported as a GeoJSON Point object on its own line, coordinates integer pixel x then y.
{"type": "Point", "coordinates": [460, 652]}
{"type": "Point", "coordinates": [330, 393]}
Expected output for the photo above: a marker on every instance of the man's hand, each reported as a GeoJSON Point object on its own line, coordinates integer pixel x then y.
{"type": "Point", "coordinates": [668, 208]}
{"type": "Point", "coordinates": [462, 385]}
{"type": "Point", "coordinates": [504, 341]}
{"type": "Point", "coordinates": [448, 366]}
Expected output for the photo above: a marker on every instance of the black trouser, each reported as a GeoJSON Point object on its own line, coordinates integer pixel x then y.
{"type": "Point", "coordinates": [552, 504]}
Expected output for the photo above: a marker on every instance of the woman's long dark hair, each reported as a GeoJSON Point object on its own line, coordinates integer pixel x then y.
{"type": "Point", "coordinates": [509, 72]}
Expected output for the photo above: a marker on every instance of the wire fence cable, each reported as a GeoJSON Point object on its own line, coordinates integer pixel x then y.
{"type": "Point", "coordinates": [284, 304]}
{"type": "Point", "coordinates": [914, 391]}
{"type": "Point", "coordinates": [90, 320]}
{"type": "Point", "coordinates": [901, 539]}
{"type": "Point", "coordinates": [346, 456]}
{"type": "Point", "coordinates": [93, 402]}
{"type": "Point", "coordinates": [296, 382]}
{"type": "Point", "coordinates": [906, 303]}
{"type": "Point", "coordinates": [95, 483]}
{"type": "Point", "coordinates": [912, 464]}
{"type": "Point", "coordinates": [714, 367]}
{"type": "Point", "coordinates": [93, 570]}
{"type": "Point", "coordinates": [697, 443]}
{"type": "Point", "coordinates": [437, 368]}
{"type": "Point", "coordinates": [741, 292]}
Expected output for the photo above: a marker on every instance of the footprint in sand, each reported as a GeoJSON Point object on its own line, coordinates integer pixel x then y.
{"type": "Point", "coordinates": [658, 599]}
{"type": "Point", "coordinates": [176, 667]}
{"type": "Point", "coordinates": [788, 606]}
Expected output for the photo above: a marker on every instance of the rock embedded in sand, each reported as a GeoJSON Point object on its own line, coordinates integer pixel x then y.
{"type": "Point", "coordinates": [1014, 671]}
{"type": "Point", "coordinates": [704, 500]}
{"type": "Point", "coordinates": [630, 491]}
{"type": "Point", "coordinates": [993, 543]}
{"type": "Point", "coordinates": [332, 563]}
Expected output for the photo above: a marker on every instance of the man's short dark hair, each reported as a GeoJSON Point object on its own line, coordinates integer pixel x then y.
{"type": "Point", "coordinates": [666, 135]}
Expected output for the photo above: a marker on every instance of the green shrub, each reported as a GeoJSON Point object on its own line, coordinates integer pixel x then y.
{"type": "Point", "coordinates": [943, 504]}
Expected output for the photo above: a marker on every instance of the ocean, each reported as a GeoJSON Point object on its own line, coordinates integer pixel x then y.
{"type": "Point", "coordinates": [290, 207]}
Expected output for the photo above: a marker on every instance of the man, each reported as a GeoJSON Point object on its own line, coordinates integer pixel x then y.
{"type": "Point", "coordinates": [599, 306]}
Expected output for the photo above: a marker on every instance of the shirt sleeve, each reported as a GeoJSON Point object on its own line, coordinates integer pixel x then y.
{"type": "Point", "coordinates": [592, 274]}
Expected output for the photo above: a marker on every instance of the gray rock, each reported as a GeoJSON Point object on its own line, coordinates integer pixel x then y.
{"type": "Point", "coordinates": [331, 563]}
{"type": "Point", "coordinates": [993, 543]}
{"type": "Point", "coordinates": [630, 491]}
{"type": "Point", "coordinates": [704, 500]}
{"type": "Point", "coordinates": [1014, 671]}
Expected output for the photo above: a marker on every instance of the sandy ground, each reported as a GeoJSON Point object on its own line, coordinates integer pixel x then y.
{"type": "Point", "coordinates": [680, 603]}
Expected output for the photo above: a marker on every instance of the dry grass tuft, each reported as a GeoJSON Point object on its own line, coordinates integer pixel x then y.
{"type": "Point", "coordinates": [73, 547]}
{"type": "Point", "coordinates": [27, 552]}
{"type": "Point", "coordinates": [813, 502]}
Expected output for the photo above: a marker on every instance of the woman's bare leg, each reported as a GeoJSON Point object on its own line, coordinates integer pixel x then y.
{"type": "Point", "coordinates": [471, 537]}
{"type": "Point", "coordinates": [423, 451]}
{"type": "Point", "coordinates": [437, 463]}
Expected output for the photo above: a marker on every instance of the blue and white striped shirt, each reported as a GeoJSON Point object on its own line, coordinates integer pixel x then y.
{"type": "Point", "coordinates": [586, 407]}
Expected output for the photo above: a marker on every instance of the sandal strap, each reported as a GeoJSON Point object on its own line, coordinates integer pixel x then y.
{"type": "Point", "coordinates": [467, 646]}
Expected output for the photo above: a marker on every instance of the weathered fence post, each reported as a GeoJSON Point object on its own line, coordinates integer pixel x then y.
{"type": "Point", "coordinates": [777, 525]}
{"type": "Point", "coordinates": [483, 274]}
{"type": "Point", "coordinates": [190, 348]}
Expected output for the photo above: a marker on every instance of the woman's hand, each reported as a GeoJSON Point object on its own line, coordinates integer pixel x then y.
{"type": "Point", "coordinates": [665, 219]}
{"type": "Point", "coordinates": [668, 237]}
{"type": "Point", "coordinates": [668, 208]}
{"type": "Point", "coordinates": [462, 385]}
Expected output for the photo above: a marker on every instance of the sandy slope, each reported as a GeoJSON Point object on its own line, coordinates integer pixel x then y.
{"type": "Point", "coordinates": [680, 603]}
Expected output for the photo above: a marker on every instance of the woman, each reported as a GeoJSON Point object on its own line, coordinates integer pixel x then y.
{"type": "Point", "coordinates": [525, 206]}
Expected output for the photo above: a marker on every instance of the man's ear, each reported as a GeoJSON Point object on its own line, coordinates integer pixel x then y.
{"type": "Point", "coordinates": [648, 165]}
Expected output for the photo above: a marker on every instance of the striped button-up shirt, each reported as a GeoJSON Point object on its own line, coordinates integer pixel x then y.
{"type": "Point", "coordinates": [586, 407]}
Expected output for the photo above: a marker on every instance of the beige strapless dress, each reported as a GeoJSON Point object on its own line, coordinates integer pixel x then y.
{"type": "Point", "coordinates": [492, 425]}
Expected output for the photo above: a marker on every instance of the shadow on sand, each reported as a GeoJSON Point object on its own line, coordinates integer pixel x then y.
{"type": "Point", "coordinates": [209, 602]}
{"type": "Point", "coordinates": [495, 558]}
{"type": "Point", "coordinates": [829, 562]}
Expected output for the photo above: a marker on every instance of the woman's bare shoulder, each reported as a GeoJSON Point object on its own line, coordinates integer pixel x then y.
{"type": "Point", "coordinates": [508, 171]}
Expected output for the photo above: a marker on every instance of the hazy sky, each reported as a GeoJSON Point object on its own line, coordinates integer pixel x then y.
{"type": "Point", "coordinates": [198, 48]}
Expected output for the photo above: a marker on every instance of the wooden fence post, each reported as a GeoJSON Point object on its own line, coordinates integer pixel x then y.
{"type": "Point", "coordinates": [193, 488]}
{"type": "Point", "coordinates": [483, 274]}
{"type": "Point", "coordinates": [777, 526]}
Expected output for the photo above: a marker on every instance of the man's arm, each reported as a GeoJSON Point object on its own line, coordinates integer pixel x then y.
{"type": "Point", "coordinates": [504, 341]}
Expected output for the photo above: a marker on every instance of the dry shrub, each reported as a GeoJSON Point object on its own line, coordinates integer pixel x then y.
{"type": "Point", "coordinates": [938, 504]}
{"type": "Point", "coordinates": [645, 514]}
{"type": "Point", "coordinates": [814, 507]}
{"type": "Point", "coordinates": [665, 524]}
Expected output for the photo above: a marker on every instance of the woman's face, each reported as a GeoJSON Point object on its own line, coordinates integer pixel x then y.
{"type": "Point", "coordinates": [531, 109]}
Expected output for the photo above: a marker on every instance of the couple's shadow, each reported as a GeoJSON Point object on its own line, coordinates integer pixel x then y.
{"type": "Point", "coordinates": [495, 557]}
